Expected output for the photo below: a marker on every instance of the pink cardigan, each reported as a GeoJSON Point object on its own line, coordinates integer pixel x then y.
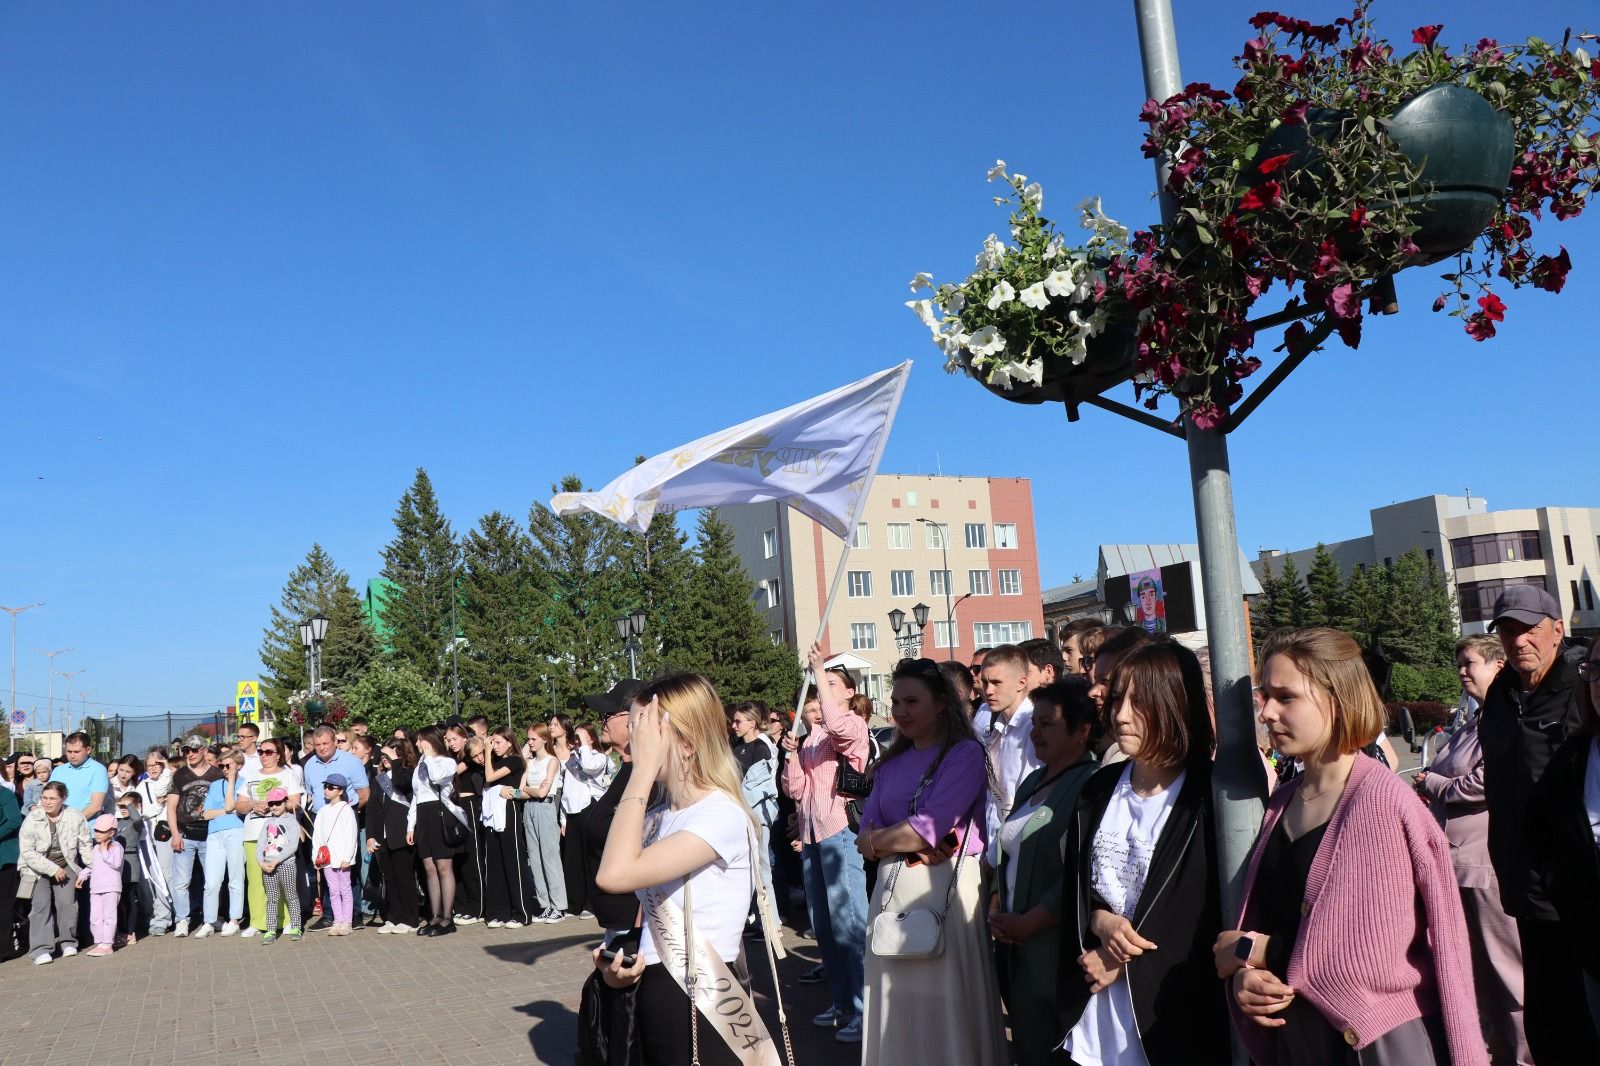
{"type": "Point", "coordinates": [1363, 958]}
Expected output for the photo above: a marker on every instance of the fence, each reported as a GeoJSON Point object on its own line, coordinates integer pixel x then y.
{"type": "Point", "coordinates": [113, 737]}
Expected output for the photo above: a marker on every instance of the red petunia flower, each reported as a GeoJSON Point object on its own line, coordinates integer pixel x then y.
{"type": "Point", "coordinates": [1269, 166]}
{"type": "Point", "coordinates": [1426, 35]}
{"type": "Point", "coordinates": [1550, 271]}
{"type": "Point", "coordinates": [1261, 197]}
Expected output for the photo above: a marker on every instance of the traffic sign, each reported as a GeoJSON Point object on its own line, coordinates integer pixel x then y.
{"type": "Point", "coordinates": [245, 697]}
{"type": "Point", "coordinates": [19, 717]}
{"type": "Point", "coordinates": [247, 706]}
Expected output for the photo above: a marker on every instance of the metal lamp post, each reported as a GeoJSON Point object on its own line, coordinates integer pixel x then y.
{"type": "Point", "coordinates": [944, 553]}
{"type": "Point", "coordinates": [319, 633]}
{"type": "Point", "coordinates": [11, 704]}
{"type": "Point", "coordinates": [630, 627]}
{"type": "Point", "coordinates": [69, 675]}
{"type": "Point", "coordinates": [305, 643]}
{"type": "Point", "coordinates": [908, 635]}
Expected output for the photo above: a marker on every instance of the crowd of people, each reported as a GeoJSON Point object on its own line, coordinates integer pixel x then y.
{"type": "Point", "coordinates": [1023, 870]}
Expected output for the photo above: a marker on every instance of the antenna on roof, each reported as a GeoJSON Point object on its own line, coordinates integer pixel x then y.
{"type": "Point", "coordinates": [938, 464]}
{"type": "Point", "coordinates": [1469, 497]}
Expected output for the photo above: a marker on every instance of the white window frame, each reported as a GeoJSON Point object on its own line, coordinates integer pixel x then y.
{"type": "Point", "coordinates": [1007, 540]}
{"type": "Point", "coordinates": [769, 544]}
{"type": "Point", "coordinates": [858, 584]}
{"type": "Point", "coordinates": [910, 586]}
{"type": "Point", "coordinates": [1009, 582]}
{"type": "Point", "coordinates": [938, 582]}
{"type": "Point", "coordinates": [774, 587]}
{"type": "Point", "coordinates": [863, 636]}
{"type": "Point", "coordinates": [936, 534]}
{"type": "Point", "coordinates": [899, 535]}
{"type": "Point", "coordinates": [979, 532]}
{"type": "Point", "coordinates": [941, 635]}
{"type": "Point", "coordinates": [993, 634]}
{"type": "Point", "coordinates": [977, 586]}
{"type": "Point", "coordinates": [862, 537]}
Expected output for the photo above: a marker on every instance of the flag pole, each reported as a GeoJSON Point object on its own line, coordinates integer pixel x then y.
{"type": "Point", "coordinates": [822, 626]}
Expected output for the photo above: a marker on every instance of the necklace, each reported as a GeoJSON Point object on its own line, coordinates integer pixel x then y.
{"type": "Point", "coordinates": [1306, 797]}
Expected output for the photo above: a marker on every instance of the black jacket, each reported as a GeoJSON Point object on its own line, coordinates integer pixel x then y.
{"type": "Point", "coordinates": [1178, 1002]}
{"type": "Point", "coordinates": [1558, 827]}
{"type": "Point", "coordinates": [1520, 732]}
{"type": "Point", "coordinates": [395, 809]}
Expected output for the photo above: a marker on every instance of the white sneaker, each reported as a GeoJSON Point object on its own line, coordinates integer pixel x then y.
{"type": "Point", "coordinates": [67, 951]}
{"type": "Point", "coordinates": [181, 929]}
{"type": "Point", "coordinates": [43, 959]}
{"type": "Point", "coordinates": [204, 931]}
{"type": "Point", "coordinates": [249, 931]}
{"type": "Point", "coordinates": [495, 923]}
{"type": "Point", "coordinates": [513, 924]}
{"type": "Point", "coordinates": [467, 919]}
{"type": "Point", "coordinates": [402, 929]}
{"type": "Point", "coordinates": [386, 927]}
{"type": "Point", "coordinates": [230, 928]}
{"type": "Point", "coordinates": [586, 914]}
{"type": "Point", "coordinates": [555, 917]}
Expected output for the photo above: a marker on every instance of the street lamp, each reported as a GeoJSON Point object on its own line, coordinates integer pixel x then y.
{"type": "Point", "coordinates": [630, 627]}
{"type": "Point", "coordinates": [313, 631]}
{"type": "Point", "coordinates": [11, 704]}
{"type": "Point", "coordinates": [1106, 615]}
{"type": "Point", "coordinates": [69, 675]}
{"type": "Point", "coordinates": [908, 636]}
{"type": "Point", "coordinates": [1129, 613]}
{"type": "Point", "coordinates": [944, 552]}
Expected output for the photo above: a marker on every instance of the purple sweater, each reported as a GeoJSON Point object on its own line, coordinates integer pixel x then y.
{"type": "Point", "coordinates": [105, 868]}
{"type": "Point", "coordinates": [944, 806]}
{"type": "Point", "coordinates": [1363, 956]}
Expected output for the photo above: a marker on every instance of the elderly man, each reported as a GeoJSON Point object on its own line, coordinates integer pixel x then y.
{"type": "Point", "coordinates": [1528, 711]}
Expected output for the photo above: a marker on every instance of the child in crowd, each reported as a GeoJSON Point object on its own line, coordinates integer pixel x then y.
{"type": "Point", "coordinates": [333, 838]}
{"type": "Point", "coordinates": [130, 833]}
{"type": "Point", "coordinates": [104, 878]}
{"type": "Point", "coordinates": [280, 837]}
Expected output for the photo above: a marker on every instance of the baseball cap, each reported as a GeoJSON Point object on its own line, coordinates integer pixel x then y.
{"type": "Point", "coordinates": [277, 795]}
{"type": "Point", "coordinates": [335, 781]}
{"type": "Point", "coordinates": [617, 700]}
{"type": "Point", "coordinates": [1528, 604]}
{"type": "Point", "coordinates": [194, 743]}
{"type": "Point", "coordinates": [104, 822]}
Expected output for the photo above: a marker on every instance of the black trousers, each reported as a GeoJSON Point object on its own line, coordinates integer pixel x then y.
{"type": "Point", "coordinates": [400, 894]}
{"type": "Point", "coordinates": [10, 879]}
{"type": "Point", "coordinates": [505, 897]}
{"type": "Point", "coordinates": [575, 864]}
{"type": "Point", "coordinates": [1555, 1010]}
{"type": "Point", "coordinates": [661, 1025]}
{"type": "Point", "coordinates": [470, 862]}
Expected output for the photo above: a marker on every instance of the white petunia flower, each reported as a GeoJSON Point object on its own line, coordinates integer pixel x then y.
{"type": "Point", "coordinates": [1006, 375]}
{"type": "Point", "coordinates": [1056, 248]}
{"type": "Point", "coordinates": [998, 170]}
{"type": "Point", "coordinates": [1034, 194]}
{"type": "Point", "coordinates": [993, 253]}
{"type": "Point", "coordinates": [1034, 296]}
{"type": "Point", "coordinates": [1003, 293]}
{"type": "Point", "coordinates": [1061, 282]}
{"type": "Point", "coordinates": [922, 281]}
{"type": "Point", "coordinates": [987, 341]}
{"type": "Point", "coordinates": [923, 309]}
{"type": "Point", "coordinates": [957, 301]}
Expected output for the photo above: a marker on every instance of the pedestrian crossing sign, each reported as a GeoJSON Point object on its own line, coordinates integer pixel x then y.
{"type": "Point", "coordinates": [246, 694]}
{"type": "Point", "coordinates": [247, 707]}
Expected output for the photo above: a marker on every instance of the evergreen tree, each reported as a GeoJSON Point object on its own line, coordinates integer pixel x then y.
{"type": "Point", "coordinates": [1418, 627]}
{"type": "Point", "coordinates": [498, 620]}
{"type": "Point", "coordinates": [1364, 597]}
{"type": "Point", "coordinates": [727, 638]}
{"type": "Point", "coordinates": [1295, 599]}
{"type": "Point", "coordinates": [1267, 607]}
{"type": "Point", "coordinates": [1325, 586]}
{"type": "Point", "coordinates": [314, 587]}
{"type": "Point", "coordinates": [657, 568]}
{"type": "Point", "coordinates": [422, 561]}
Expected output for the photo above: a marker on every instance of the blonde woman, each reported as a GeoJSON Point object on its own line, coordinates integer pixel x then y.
{"type": "Point", "coordinates": [692, 869]}
{"type": "Point", "coordinates": [542, 822]}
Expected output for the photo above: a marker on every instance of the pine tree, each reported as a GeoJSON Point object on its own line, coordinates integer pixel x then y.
{"type": "Point", "coordinates": [1296, 600]}
{"type": "Point", "coordinates": [1325, 585]}
{"type": "Point", "coordinates": [1363, 604]}
{"type": "Point", "coordinates": [498, 620]}
{"type": "Point", "coordinates": [315, 587]}
{"type": "Point", "coordinates": [1418, 627]}
{"type": "Point", "coordinates": [728, 639]}
{"type": "Point", "coordinates": [657, 568]}
{"type": "Point", "coordinates": [1267, 608]}
{"type": "Point", "coordinates": [422, 561]}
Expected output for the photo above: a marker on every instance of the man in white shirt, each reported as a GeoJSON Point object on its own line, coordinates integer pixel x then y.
{"type": "Point", "coordinates": [249, 738]}
{"type": "Point", "coordinates": [1010, 742]}
{"type": "Point", "coordinates": [982, 716]}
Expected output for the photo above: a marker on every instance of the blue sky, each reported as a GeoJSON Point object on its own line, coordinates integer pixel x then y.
{"type": "Point", "coordinates": [261, 262]}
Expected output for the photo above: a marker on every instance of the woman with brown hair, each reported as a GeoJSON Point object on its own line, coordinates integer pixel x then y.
{"type": "Point", "coordinates": [505, 904]}
{"type": "Point", "coordinates": [1350, 936]}
{"type": "Point", "coordinates": [396, 856]}
{"type": "Point", "coordinates": [541, 821]}
{"type": "Point", "coordinates": [1143, 906]}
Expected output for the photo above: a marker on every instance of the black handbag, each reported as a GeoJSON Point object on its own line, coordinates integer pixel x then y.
{"type": "Point", "coordinates": [451, 830]}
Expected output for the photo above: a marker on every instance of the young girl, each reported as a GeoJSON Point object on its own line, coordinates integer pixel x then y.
{"type": "Point", "coordinates": [135, 887]}
{"type": "Point", "coordinates": [104, 878]}
{"type": "Point", "coordinates": [276, 847]}
{"type": "Point", "coordinates": [336, 830]}
{"type": "Point", "coordinates": [543, 825]}
{"type": "Point", "coordinates": [505, 904]}
{"type": "Point", "coordinates": [432, 783]}
{"type": "Point", "coordinates": [698, 855]}
{"type": "Point", "coordinates": [35, 784]}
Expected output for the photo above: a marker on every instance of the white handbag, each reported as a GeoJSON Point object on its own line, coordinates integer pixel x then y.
{"type": "Point", "coordinates": [916, 933]}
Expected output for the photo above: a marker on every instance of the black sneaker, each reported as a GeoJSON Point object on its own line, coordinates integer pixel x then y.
{"type": "Point", "coordinates": [319, 925]}
{"type": "Point", "coordinates": [814, 976]}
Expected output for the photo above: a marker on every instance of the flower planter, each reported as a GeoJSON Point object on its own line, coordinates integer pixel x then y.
{"type": "Point", "coordinates": [1461, 146]}
{"type": "Point", "coordinates": [1108, 364]}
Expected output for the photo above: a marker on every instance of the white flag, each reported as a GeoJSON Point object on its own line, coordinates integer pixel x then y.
{"type": "Point", "coordinates": [818, 456]}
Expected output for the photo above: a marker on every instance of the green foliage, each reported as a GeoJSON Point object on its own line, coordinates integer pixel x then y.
{"type": "Point", "coordinates": [1325, 588]}
{"type": "Point", "coordinates": [1406, 684]}
{"type": "Point", "coordinates": [422, 561]}
{"type": "Point", "coordinates": [393, 694]}
{"type": "Point", "coordinates": [1441, 683]}
{"type": "Point", "coordinates": [316, 586]}
{"type": "Point", "coordinates": [657, 569]}
{"type": "Point", "coordinates": [499, 620]}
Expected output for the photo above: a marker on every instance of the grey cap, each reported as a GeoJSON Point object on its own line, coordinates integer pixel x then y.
{"type": "Point", "coordinates": [195, 743]}
{"type": "Point", "coordinates": [1528, 604]}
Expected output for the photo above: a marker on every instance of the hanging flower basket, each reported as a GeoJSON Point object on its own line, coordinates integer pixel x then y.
{"type": "Point", "coordinates": [1108, 362]}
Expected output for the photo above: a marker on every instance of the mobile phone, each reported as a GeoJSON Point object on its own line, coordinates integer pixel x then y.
{"type": "Point", "coordinates": [609, 955]}
{"type": "Point", "coordinates": [950, 841]}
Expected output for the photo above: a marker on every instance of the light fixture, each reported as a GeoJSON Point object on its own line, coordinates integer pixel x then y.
{"type": "Point", "coordinates": [920, 613]}
{"type": "Point", "coordinates": [638, 621]}
{"type": "Point", "coordinates": [897, 619]}
{"type": "Point", "coordinates": [1107, 616]}
{"type": "Point", "coordinates": [319, 628]}
{"type": "Point", "coordinates": [1129, 613]}
{"type": "Point", "coordinates": [621, 622]}
{"type": "Point", "coordinates": [305, 634]}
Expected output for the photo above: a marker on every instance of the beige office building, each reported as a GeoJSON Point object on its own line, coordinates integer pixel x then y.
{"type": "Point", "coordinates": [964, 546]}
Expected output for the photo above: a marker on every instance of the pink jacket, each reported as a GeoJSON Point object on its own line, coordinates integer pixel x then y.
{"type": "Point", "coordinates": [811, 773]}
{"type": "Point", "coordinates": [1455, 785]}
{"type": "Point", "coordinates": [1363, 957]}
{"type": "Point", "coordinates": [105, 868]}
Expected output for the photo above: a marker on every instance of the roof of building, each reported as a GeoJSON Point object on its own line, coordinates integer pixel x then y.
{"type": "Point", "coordinates": [1074, 591]}
{"type": "Point", "coordinates": [1119, 559]}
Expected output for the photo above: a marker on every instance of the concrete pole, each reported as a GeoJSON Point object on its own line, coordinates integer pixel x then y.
{"type": "Point", "coordinates": [1238, 783]}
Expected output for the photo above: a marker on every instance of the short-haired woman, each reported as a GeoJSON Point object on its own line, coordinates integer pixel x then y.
{"type": "Point", "coordinates": [1136, 979]}
{"type": "Point", "coordinates": [55, 847]}
{"type": "Point", "coordinates": [1029, 895]}
{"type": "Point", "coordinates": [924, 823]}
{"type": "Point", "coordinates": [1351, 940]}
{"type": "Point", "coordinates": [431, 802]}
{"type": "Point", "coordinates": [540, 820]}
{"type": "Point", "coordinates": [224, 852]}
{"type": "Point", "coordinates": [505, 903]}
{"type": "Point", "coordinates": [694, 856]}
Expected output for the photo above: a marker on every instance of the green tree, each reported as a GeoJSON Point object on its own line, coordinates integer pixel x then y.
{"type": "Point", "coordinates": [657, 568]}
{"type": "Point", "coordinates": [1417, 625]}
{"type": "Point", "coordinates": [392, 695]}
{"type": "Point", "coordinates": [316, 586]}
{"type": "Point", "coordinates": [1325, 588]}
{"type": "Point", "coordinates": [727, 638]}
{"type": "Point", "coordinates": [1295, 599]}
{"type": "Point", "coordinates": [1267, 608]}
{"type": "Point", "coordinates": [1364, 597]}
{"type": "Point", "coordinates": [498, 620]}
{"type": "Point", "coordinates": [422, 561]}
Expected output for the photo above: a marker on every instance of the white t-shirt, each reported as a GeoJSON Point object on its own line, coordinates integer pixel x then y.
{"type": "Point", "coordinates": [722, 888]}
{"type": "Point", "coordinates": [1119, 862]}
{"type": "Point", "coordinates": [256, 784]}
{"type": "Point", "coordinates": [1011, 840]}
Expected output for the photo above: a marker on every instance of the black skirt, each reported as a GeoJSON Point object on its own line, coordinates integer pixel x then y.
{"type": "Point", "coordinates": [429, 831]}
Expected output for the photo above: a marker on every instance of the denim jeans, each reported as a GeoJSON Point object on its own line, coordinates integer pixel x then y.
{"type": "Point", "coordinates": [225, 852]}
{"type": "Point", "coordinates": [161, 904]}
{"type": "Point", "coordinates": [359, 884]}
{"type": "Point", "coordinates": [836, 891]}
{"type": "Point", "coordinates": [183, 864]}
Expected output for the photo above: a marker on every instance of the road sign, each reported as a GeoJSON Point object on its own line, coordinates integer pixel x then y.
{"type": "Point", "coordinates": [245, 697]}
{"type": "Point", "coordinates": [19, 717]}
{"type": "Point", "coordinates": [247, 706]}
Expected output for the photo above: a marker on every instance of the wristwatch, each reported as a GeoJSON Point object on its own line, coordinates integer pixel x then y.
{"type": "Point", "coordinates": [1243, 948]}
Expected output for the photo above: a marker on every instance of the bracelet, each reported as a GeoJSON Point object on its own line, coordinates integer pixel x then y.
{"type": "Point", "coordinates": [643, 801]}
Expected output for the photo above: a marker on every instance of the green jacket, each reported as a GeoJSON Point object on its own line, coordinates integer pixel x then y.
{"type": "Point", "coordinates": [10, 826]}
{"type": "Point", "coordinates": [1040, 869]}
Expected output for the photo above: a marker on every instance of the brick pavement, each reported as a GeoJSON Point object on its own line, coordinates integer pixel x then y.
{"type": "Point", "coordinates": [480, 998]}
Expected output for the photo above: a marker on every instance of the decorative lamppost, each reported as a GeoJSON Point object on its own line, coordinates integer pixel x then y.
{"type": "Point", "coordinates": [630, 627]}
{"type": "Point", "coordinates": [908, 635]}
{"type": "Point", "coordinates": [313, 631]}
{"type": "Point", "coordinates": [944, 552]}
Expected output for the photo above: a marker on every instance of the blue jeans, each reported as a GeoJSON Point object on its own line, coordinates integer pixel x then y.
{"type": "Point", "coordinates": [363, 908]}
{"type": "Point", "coordinates": [225, 851]}
{"type": "Point", "coordinates": [183, 863]}
{"type": "Point", "coordinates": [836, 891]}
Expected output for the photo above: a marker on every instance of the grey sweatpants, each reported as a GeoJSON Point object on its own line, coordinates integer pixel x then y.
{"type": "Point", "coordinates": [539, 818]}
{"type": "Point", "coordinates": [47, 930]}
{"type": "Point", "coordinates": [282, 886]}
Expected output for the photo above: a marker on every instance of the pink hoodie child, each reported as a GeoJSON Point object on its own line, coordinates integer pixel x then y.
{"type": "Point", "coordinates": [104, 874]}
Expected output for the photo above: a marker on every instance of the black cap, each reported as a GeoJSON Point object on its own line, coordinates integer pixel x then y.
{"type": "Point", "coordinates": [617, 700]}
{"type": "Point", "coordinates": [1528, 604]}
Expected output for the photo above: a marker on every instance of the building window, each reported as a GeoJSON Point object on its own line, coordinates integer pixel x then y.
{"type": "Point", "coordinates": [1575, 599]}
{"type": "Point", "coordinates": [861, 539]}
{"type": "Point", "coordinates": [1005, 534]}
{"type": "Point", "coordinates": [774, 593]}
{"type": "Point", "coordinates": [858, 583]}
{"type": "Point", "coordinates": [863, 636]}
{"type": "Point", "coordinates": [1566, 541]}
{"type": "Point", "coordinates": [939, 582]}
{"type": "Point", "coordinates": [938, 534]}
{"type": "Point", "coordinates": [899, 534]}
{"type": "Point", "coordinates": [977, 535]}
{"type": "Point", "coordinates": [1010, 582]}
{"type": "Point", "coordinates": [1588, 595]}
{"type": "Point", "coordinates": [978, 582]}
{"type": "Point", "coordinates": [1477, 597]}
{"type": "Point", "coordinates": [1488, 548]}
{"type": "Point", "coordinates": [991, 634]}
{"type": "Point", "coordinates": [902, 582]}
{"type": "Point", "coordinates": [941, 635]}
{"type": "Point", "coordinates": [776, 636]}
{"type": "Point", "coordinates": [769, 544]}
{"type": "Point", "coordinates": [911, 499]}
